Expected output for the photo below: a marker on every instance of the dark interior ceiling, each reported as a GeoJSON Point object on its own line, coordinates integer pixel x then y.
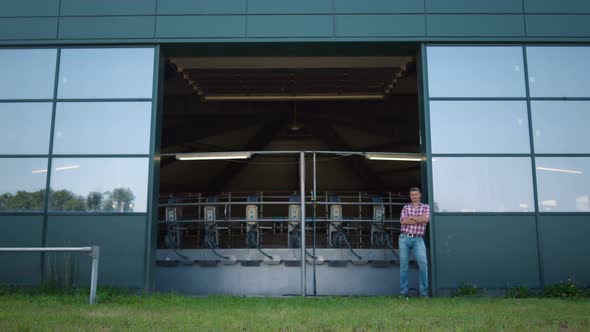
{"type": "Point", "coordinates": [291, 76]}
{"type": "Point", "coordinates": [382, 117]}
{"type": "Point", "coordinates": [292, 81]}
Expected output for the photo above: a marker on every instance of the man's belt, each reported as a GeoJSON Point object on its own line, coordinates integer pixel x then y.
{"type": "Point", "coordinates": [413, 234]}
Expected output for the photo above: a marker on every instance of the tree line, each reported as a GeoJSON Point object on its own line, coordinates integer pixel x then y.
{"type": "Point", "coordinates": [118, 200]}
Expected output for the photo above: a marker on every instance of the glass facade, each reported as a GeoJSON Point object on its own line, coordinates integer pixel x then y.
{"type": "Point", "coordinates": [561, 126]}
{"type": "Point", "coordinates": [475, 72]}
{"type": "Point", "coordinates": [95, 153]}
{"type": "Point", "coordinates": [27, 74]}
{"type": "Point", "coordinates": [556, 74]}
{"type": "Point", "coordinates": [99, 184]}
{"type": "Point", "coordinates": [473, 111]}
{"type": "Point", "coordinates": [559, 71]}
{"type": "Point", "coordinates": [108, 73]}
{"type": "Point", "coordinates": [23, 184]}
{"type": "Point", "coordinates": [25, 128]}
{"type": "Point", "coordinates": [473, 127]}
{"type": "Point", "coordinates": [485, 104]}
{"type": "Point", "coordinates": [481, 114]}
{"type": "Point", "coordinates": [483, 184]}
{"type": "Point", "coordinates": [102, 128]}
{"type": "Point", "coordinates": [563, 184]}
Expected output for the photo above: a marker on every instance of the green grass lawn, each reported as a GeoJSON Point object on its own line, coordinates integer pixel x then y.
{"type": "Point", "coordinates": [59, 312]}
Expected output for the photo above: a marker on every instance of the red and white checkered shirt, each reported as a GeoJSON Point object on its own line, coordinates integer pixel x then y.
{"type": "Point", "coordinates": [415, 211]}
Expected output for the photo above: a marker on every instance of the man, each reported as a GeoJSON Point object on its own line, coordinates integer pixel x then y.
{"type": "Point", "coordinates": [414, 219]}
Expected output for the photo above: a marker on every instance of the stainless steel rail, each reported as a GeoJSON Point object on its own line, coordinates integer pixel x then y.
{"type": "Point", "coordinates": [280, 203]}
{"type": "Point", "coordinates": [93, 251]}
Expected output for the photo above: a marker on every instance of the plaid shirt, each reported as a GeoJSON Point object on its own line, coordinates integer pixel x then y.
{"type": "Point", "coordinates": [410, 211]}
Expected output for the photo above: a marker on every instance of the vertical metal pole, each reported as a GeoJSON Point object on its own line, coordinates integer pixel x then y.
{"type": "Point", "coordinates": [95, 254]}
{"type": "Point", "coordinates": [360, 206]}
{"type": "Point", "coordinates": [327, 206]}
{"type": "Point", "coordinates": [199, 208]}
{"type": "Point", "coordinates": [390, 207]}
{"type": "Point", "coordinates": [261, 214]}
{"type": "Point", "coordinates": [198, 226]}
{"type": "Point", "coordinates": [314, 198]}
{"type": "Point", "coordinates": [302, 192]}
{"type": "Point", "coordinates": [359, 225]}
{"type": "Point", "coordinates": [229, 205]}
{"type": "Point", "coordinates": [390, 217]}
{"type": "Point", "coordinates": [229, 224]}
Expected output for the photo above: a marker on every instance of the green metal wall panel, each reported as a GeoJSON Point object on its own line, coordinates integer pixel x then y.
{"type": "Point", "coordinates": [378, 6]}
{"type": "Point", "coordinates": [565, 248]}
{"type": "Point", "coordinates": [290, 7]}
{"type": "Point", "coordinates": [200, 26]}
{"type": "Point", "coordinates": [380, 25]}
{"type": "Point", "coordinates": [507, 25]}
{"type": "Point", "coordinates": [474, 6]}
{"type": "Point", "coordinates": [107, 7]}
{"type": "Point", "coordinates": [558, 25]}
{"type": "Point", "coordinates": [20, 231]}
{"type": "Point", "coordinates": [290, 26]}
{"type": "Point", "coordinates": [250, 19]}
{"type": "Point", "coordinates": [12, 8]}
{"type": "Point", "coordinates": [488, 251]}
{"type": "Point", "coordinates": [28, 28]}
{"type": "Point", "coordinates": [554, 6]}
{"type": "Point", "coordinates": [194, 7]}
{"type": "Point", "coordinates": [122, 247]}
{"type": "Point", "coordinates": [106, 27]}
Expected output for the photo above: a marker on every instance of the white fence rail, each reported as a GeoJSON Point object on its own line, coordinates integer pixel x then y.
{"type": "Point", "coordinates": [93, 251]}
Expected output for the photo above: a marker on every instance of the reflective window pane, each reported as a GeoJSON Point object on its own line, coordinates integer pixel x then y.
{"type": "Point", "coordinates": [561, 126]}
{"type": "Point", "coordinates": [483, 184]}
{"type": "Point", "coordinates": [563, 184]}
{"type": "Point", "coordinates": [479, 127]}
{"type": "Point", "coordinates": [99, 184]}
{"type": "Point", "coordinates": [24, 128]}
{"type": "Point", "coordinates": [106, 73]}
{"type": "Point", "coordinates": [27, 73]}
{"type": "Point", "coordinates": [559, 71]}
{"type": "Point", "coordinates": [102, 128]}
{"type": "Point", "coordinates": [23, 184]}
{"type": "Point", "coordinates": [475, 72]}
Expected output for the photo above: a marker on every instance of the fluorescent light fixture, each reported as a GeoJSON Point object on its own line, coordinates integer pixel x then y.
{"type": "Point", "coordinates": [540, 168]}
{"type": "Point", "coordinates": [63, 168]}
{"type": "Point", "coordinates": [393, 156]}
{"type": "Point", "coordinates": [213, 156]}
{"type": "Point", "coordinates": [292, 97]}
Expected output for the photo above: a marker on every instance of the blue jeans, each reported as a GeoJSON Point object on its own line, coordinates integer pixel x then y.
{"type": "Point", "coordinates": [406, 244]}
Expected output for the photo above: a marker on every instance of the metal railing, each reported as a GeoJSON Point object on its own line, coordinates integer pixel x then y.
{"type": "Point", "coordinates": [93, 251]}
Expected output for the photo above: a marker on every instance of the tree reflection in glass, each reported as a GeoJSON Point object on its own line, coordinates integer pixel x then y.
{"type": "Point", "coordinates": [22, 184]}
{"type": "Point", "coordinates": [22, 201]}
{"type": "Point", "coordinates": [99, 185]}
{"type": "Point", "coordinates": [117, 200]}
{"type": "Point", "coordinates": [120, 200]}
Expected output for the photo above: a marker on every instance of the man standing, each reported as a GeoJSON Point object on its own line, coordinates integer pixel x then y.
{"type": "Point", "coordinates": [414, 218]}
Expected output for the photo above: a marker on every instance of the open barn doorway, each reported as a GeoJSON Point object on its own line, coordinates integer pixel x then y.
{"type": "Point", "coordinates": [234, 127]}
{"type": "Point", "coordinates": [352, 103]}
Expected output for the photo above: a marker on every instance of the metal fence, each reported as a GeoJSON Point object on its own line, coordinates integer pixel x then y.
{"type": "Point", "coordinates": [93, 251]}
